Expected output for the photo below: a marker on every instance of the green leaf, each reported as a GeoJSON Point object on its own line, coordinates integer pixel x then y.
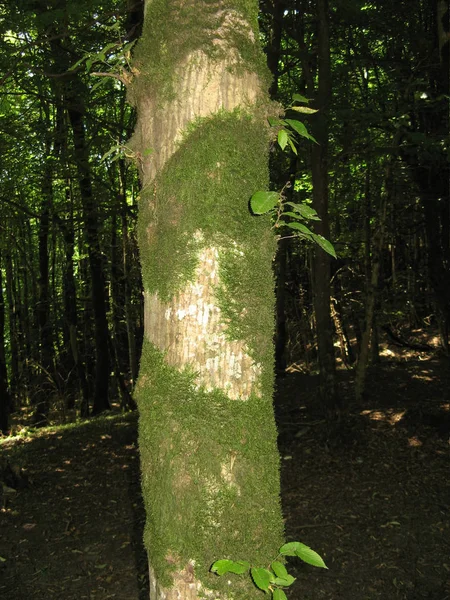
{"type": "Point", "coordinates": [282, 138]}
{"type": "Point", "coordinates": [278, 595]}
{"type": "Point", "coordinates": [220, 567]}
{"type": "Point", "coordinates": [294, 215]}
{"type": "Point", "coordinates": [300, 98]}
{"type": "Point", "coordinates": [262, 578]}
{"type": "Point", "coordinates": [325, 245]}
{"type": "Point", "coordinates": [128, 46]}
{"type": "Point", "coordinates": [292, 145]}
{"type": "Point", "coordinates": [240, 567]}
{"type": "Point", "coordinates": [78, 63]}
{"type": "Point", "coordinates": [279, 569]}
{"type": "Point", "coordinates": [294, 205]}
{"type": "Point", "coordinates": [101, 82]}
{"type": "Point", "coordinates": [274, 122]}
{"type": "Point", "coordinates": [305, 553]}
{"type": "Point", "coordinates": [106, 49]}
{"type": "Point", "coordinates": [285, 581]}
{"type": "Point", "coordinates": [300, 128]}
{"type": "Point", "coordinates": [306, 211]}
{"type": "Point", "coordinates": [114, 149]}
{"type": "Point", "coordinates": [305, 109]}
{"type": "Point", "coordinates": [263, 202]}
{"type": "Point", "coordinates": [305, 230]}
{"type": "Point", "coordinates": [290, 549]}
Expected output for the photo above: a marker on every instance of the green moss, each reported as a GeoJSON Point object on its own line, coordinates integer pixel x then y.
{"type": "Point", "coordinates": [201, 451]}
{"type": "Point", "coordinates": [186, 437]}
{"type": "Point", "coordinates": [186, 434]}
{"type": "Point", "coordinates": [206, 186]}
{"type": "Point", "coordinates": [173, 30]}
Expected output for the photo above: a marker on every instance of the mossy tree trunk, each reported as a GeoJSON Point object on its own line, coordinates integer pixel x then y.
{"type": "Point", "coordinates": [210, 466]}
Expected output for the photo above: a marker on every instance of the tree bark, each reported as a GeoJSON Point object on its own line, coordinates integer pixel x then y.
{"type": "Point", "coordinates": [13, 332]}
{"type": "Point", "coordinates": [374, 268]}
{"type": "Point", "coordinates": [70, 311]}
{"type": "Point", "coordinates": [207, 435]}
{"type": "Point", "coordinates": [5, 399]}
{"type": "Point", "coordinates": [75, 109]}
{"type": "Point", "coordinates": [74, 103]}
{"type": "Point", "coordinates": [46, 352]}
{"type": "Point", "coordinates": [321, 261]}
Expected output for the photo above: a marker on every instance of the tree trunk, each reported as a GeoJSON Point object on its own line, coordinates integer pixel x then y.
{"type": "Point", "coordinates": [276, 11]}
{"type": "Point", "coordinates": [74, 103]}
{"type": "Point", "coordinates": [46, 354]}
{"type": "Point", "coordinates": [207, 434]}
{"type": "Point", "coordinates": [129, 310]}
{"type": "Point", "coordinates": [321, 262]}
{"type": "Point", "coordinates": [13, 333]}
{"type": "Point", "coordinates": [374, 267]}
{"type": "Point", "coordinates": [71, 313]}
{"type": "Point", "coordinates": [5, 400]}
{"type": "Point", "coordinates": [75, 110]}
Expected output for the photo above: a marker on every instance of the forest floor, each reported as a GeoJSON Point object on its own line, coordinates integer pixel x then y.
{"type": "Point", "coordinates": [371, 495]}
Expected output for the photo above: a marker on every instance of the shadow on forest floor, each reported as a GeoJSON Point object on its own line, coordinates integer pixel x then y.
{"type": "Point", "coordinates": [371, 496]}
{"type": "Point", "coordinates": [75, 532]}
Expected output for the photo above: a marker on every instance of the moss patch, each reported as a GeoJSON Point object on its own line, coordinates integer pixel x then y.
{"type": "Point", "coordinates": [206, 186]}
{"type": "Point", "coordinates": [210, 475]}
{"type": "Point", "coordinates": [210, 464]}
{"type": "Point", "coordinates": [173, 29]}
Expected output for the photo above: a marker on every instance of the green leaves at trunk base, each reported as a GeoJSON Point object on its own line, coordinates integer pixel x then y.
{"type": "Point", "coordinates": [304, 553]}
{"type": "Point", "coordinates": [220, 567]}
{"type": "Point", "coordinates": [262, 578]}
{"type": "Point", "coordinates": [271, 580]}
{"type": "Point", "coordinates": [278, 594]}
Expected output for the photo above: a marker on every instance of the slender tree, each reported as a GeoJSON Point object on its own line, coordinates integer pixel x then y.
{"type": "Point", "coordinates": [46, 349]}
{"type": "Point", "coordinates": [207, 434]}
{"type": "Point", "coordinates": [321, 261]}
{"type": "Point", "coordinates": [5, 400]}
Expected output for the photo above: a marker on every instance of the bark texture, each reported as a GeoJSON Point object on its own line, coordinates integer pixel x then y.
{"type": "Point", "coordinates": [207, 434]}
{"type": "Point", "coordinates": [321, 261]}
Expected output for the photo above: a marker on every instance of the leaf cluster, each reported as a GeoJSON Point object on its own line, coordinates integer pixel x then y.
{"type": "Point", "coordinates": [274, 578]}
{"type": "Point", "coordinates": [292, 215]}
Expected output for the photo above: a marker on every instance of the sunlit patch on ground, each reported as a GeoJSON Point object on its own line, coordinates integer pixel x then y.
{"type": "Point", "coordinates": [422, 377]}
{"type": "Point", "coordinates": [414, 442]}
{"type": "Point", "coordinates": [391, 416]}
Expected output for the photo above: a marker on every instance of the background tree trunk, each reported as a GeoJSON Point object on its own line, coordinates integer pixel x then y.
{"type": "Point", "coordinates": [374, 267]}
{"type": "Point", "coordinates": [75, 110]}
{"type": "Point", "coordinates": [13, 330]}
{"type": "Point", "coordinates": [5, 400]}
{"type": "Point", "coordinates": [45, 376]}
{"type": "Point", "coordinates": [207, 434]}
{"type": "Point", "coordinates": [321, 261]}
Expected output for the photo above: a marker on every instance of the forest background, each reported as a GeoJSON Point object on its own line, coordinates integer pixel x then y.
{"type": "Point", "coordinates": [71, 300]}
{"type": "Point", "coordinates": [71, 304]}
